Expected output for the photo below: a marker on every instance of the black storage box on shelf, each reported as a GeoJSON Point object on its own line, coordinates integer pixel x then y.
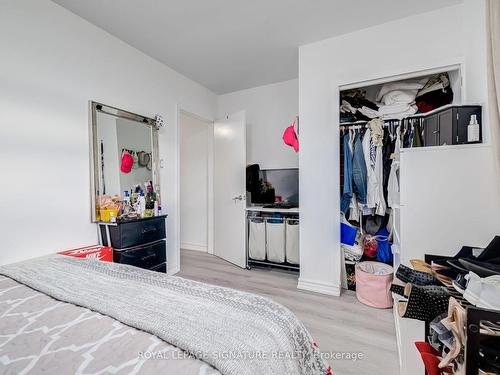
{"type": "Point", "coordinates": [448, 126]}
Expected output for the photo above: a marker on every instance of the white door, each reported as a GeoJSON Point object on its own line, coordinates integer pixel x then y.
{"type": "Point", "coordinates": [230, 188]}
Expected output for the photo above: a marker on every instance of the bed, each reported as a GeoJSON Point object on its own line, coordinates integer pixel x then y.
{"type": "Point", "coordinates": [82, 316]}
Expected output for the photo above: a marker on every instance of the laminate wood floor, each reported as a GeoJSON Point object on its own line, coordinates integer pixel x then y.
{"type": "Point", "coordinates": [338, 324]}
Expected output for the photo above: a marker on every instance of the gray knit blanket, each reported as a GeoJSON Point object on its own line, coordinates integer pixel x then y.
{"type": "Point", "coordinates": [236, 332]}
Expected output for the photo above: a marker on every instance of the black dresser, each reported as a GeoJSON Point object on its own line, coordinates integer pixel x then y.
{"type": "Point", "coordinates": [140, 242]}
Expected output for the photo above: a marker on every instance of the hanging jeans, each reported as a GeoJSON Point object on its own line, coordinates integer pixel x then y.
{"type": "Point", "coordinates": [347, 193]}
{"type": "Point", "coordinates": [359, 174]}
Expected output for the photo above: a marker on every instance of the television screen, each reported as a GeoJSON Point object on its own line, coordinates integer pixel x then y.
{"type": "Point", "coordinates": [278, 185]}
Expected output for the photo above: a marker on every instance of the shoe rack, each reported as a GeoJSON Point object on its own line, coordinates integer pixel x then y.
{"type": "Point", "coordinates": [476, 321]}
{"type": "Point", "coordinates": [476, 334]}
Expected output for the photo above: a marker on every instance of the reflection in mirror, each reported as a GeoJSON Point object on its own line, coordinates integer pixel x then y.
{"type": "Point", "coordinates": [122, 142]}
{"type": "Point", "coordinates": [124, 151]}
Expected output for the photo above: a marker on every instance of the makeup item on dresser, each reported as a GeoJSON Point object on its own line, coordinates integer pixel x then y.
{"type": "Point", "coordinates": [141, 204]}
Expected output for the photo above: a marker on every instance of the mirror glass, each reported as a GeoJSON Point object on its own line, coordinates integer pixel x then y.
{"type": "Point", "coordinates": [117, 137]}
{"type": "Point", "coordinates": [124, 152]}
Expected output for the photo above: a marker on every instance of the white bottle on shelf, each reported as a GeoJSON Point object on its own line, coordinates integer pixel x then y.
{"type": "Point", "coordinates": [473, 130]}
{"type": "Point", "coordinates": [142, 204]}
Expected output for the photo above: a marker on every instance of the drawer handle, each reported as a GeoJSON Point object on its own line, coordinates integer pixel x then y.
{"type": "Point", "coordinates": [149, 229]}
{"type": "Point", "coordinates": [147, 257]}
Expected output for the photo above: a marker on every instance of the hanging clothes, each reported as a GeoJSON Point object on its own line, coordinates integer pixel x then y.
{"type": "Point", "coordinates": [347, 191]}
{"type": "Point", "coordinates": [387, 152]}
{"type": "Point", "coordinates": [359, 171]}
{"type": "Point", "coordinates": [374, 167]}
{"type": "Point", "coordinates": [393, 183]}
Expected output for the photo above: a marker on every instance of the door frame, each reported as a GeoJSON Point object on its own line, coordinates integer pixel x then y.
{"type": "Point", "coordinates": [210, 168]}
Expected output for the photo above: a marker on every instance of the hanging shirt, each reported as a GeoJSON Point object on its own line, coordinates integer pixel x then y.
{"type": "Point", "coordinates": [375, 191]}
{"type": "Point", "coordinates": [393, 185]}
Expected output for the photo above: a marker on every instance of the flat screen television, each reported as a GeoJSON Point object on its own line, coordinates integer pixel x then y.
{"type": "Point", "coordinates": [278, 185]}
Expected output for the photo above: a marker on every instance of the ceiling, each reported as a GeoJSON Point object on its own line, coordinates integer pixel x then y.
{"type": "Point", "coordinates": [229, 45]}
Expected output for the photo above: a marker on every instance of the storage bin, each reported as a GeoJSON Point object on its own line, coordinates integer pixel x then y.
{"type": "Point", "coordinates": [292, 241]}
{"type": "Point", "coordinates": [348, 232]}
{"type": "Point", "coordinates": [373, 283]}
{"type": "Point", "coordinates": [275, 233]}
{"type": "Point", "coordinates": [257, 239]}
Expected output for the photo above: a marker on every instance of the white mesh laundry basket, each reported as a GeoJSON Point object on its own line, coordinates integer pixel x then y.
{"type": "Point", "coordinates": [292, 241]}
{"type": "Point", "coordinates": [257, 240]}
{"type": "Point", "coordinates": [275, 232]}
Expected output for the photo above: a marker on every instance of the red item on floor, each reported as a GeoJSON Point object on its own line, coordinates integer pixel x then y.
{"type": "Point", "coordinates": [99, 252]}
{"type": "Point", "coordinates": [425, 347]}
{"type": "Point", "coordinates": [431, 363]}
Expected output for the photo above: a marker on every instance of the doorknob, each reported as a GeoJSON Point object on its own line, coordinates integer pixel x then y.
{"type": "Point", "coordinates": [240, 197]}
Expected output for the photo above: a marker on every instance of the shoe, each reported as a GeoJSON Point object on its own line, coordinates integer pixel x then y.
{"type": "Point", "coordinates": [483, 269]}
{"type": "Point", "coordinates": [489, 353]}
{"type": "Point", "coordinates": [408, 275]}
{"type": "Point", "coordinates": [420, 265]}
{"type": "Point", "coordinates": [450, 272]}
{"type": "Point", "coordinates": [455, 322]}
{"type": "Point", "coordinates": [465, 252]}
{"type": "Point", "coordinates": [483, 292]}
{"type": "Point", "coordinates": [398, 289]}
{"type": "Point", "coordinates": [444, 334]}
{"type": "Point", "coordinates": [491, 251]}
{"type": "Point", "coordinates": [431, 363]}
{"type": "Point", "coordinates": [489, 328]}
{"type": "Point", "coordinates": [424, 302]}
{"type": "Point", "coordinates": [425, 347]}
{"type": "Point", "coordinates": [457, 265]}
{"type": "Point", "coordinates": [460, 283]}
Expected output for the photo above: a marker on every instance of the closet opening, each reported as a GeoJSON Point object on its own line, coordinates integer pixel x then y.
{"type": "Point", "coordinates": [378, 120]}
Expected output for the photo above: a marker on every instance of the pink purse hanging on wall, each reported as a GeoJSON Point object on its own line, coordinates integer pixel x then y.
{"type": "Point", "coordinates": [290, 135]}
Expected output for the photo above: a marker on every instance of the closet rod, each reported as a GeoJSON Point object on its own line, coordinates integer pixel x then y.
{"type": "Point", "coordinates": [360, 125]}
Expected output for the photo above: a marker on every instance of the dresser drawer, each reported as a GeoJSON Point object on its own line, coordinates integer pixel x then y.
{"type": "Point", "coordinates": [135, 233]}
{"type": "Point", "coordinates": [160, 268]}
{"type": "Point", "coordinates": [147, 256]}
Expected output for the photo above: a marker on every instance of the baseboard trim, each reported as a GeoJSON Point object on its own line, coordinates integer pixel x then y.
{"type": "Point", "coordinates": [193, 246]}
{"type": "Point", "coordinates": [173, 271]}
{"type": "Point", "coordinates": [318, 287]}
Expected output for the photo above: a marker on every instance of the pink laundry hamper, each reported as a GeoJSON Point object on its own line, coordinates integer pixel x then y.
{"type": "Point", "coordinates": [373, 283]}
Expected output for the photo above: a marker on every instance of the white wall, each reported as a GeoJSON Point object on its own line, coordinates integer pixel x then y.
{"type": "Point", "coordinates": [194, 134]}
{"type": "Point", "coordinates": [269, 110]}
{"type": "Point", "coordinates": [52, 63]}
{"type": "Point", "coordinates": [443, 37]}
